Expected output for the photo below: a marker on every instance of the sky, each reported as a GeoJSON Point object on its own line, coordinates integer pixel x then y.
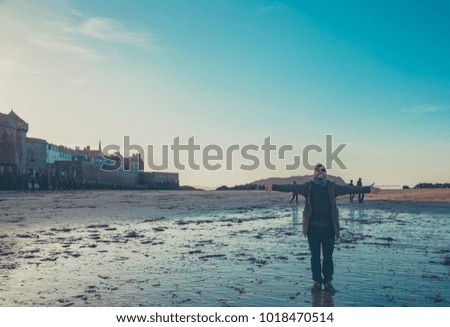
{"type": "Point", "coordinates": [375, 75]}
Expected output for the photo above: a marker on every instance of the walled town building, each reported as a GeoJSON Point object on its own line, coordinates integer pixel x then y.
{"type": "Point", "coordinates": [34, 163]}
{"type": "Point", "coordinates": [160, 180]}
{"type": "Point", "coordinates": [36, 158]}
{"type": "Point", "coordinates": [57, 153]}
{"type": "Point", "coordinates": [13, 132]}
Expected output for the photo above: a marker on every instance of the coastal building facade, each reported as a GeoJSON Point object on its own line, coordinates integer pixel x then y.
{"type": "Point", "coordinates": [36, 157]}
{"type": "Point", "coordinates": [13, 133]}
{"type": "Point", "coordinates": [34, 163]}
{"type": "Point", "coordinates": [57, 153]}
{"type": "Point", "coordinates": [160, 180]}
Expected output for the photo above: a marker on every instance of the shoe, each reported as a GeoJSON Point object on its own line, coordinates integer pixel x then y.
{"type": "Point", "coordinates": [329, 287]}
{"type": "Point", "coordinates": [317, 286]}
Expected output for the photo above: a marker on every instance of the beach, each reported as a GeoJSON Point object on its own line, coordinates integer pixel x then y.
{"type": "Point", "coordinates": [412, 195]}
{"type": "Point", "coordinates": [211, 248]}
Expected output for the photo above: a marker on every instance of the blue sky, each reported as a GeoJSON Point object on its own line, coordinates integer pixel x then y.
{"type": "Point", "coordinates": [375, 75]}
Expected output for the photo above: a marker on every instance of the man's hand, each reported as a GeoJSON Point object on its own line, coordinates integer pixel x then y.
{"type": "Point", "coordinates": [373, 189]}
{"type": "Point", "coordinates": [268, 188]}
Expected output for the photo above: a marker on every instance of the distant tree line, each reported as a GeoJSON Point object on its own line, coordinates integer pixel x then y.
{"type": "Point", "coordinates": [430, 185]}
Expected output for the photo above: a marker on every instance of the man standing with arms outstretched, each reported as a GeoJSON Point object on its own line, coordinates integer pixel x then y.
{"type": "Point", "coordinates": [321, 221]}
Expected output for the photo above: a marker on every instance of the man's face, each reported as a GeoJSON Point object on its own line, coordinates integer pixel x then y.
{"type": "Point", "coordinates": [320, 172]}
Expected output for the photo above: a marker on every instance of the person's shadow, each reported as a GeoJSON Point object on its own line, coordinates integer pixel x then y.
{"type": "Point", "coordinates": [322, 299]}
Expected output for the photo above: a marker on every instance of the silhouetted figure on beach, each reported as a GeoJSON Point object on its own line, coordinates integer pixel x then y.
{"type": "Point", "coordinates": [321, 221]}
{"type": "Point", "coordinates": [352, 195]}
{"type": "Point", "coordinates": [294, 194]}
{"type": "Point", "coordinates": [360, 195]}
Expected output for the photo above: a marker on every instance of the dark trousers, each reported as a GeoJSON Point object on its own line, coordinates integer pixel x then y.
{"type": "Point", "coordinates": [360, 197]}
{"type": "Point", "coordinates": [352, 196]}
{"type": "Point", "coordinates": [321, 239]}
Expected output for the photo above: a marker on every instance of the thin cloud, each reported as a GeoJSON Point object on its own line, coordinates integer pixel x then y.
{"type": "Point", "coordinates": [7, 66]}
{"type": "Point", "coordinates": [277, 6]}
{"type": "Point", "coordinates": [25, 35]}
{"type": "Point", "coordinates": [76, 13]}
{"type": "Point", "coordinates": [65, 46]}
{"type": "Point", "coordinates": [424, 109]}
{"type": "Point", "coordinates": [111, 30]}
{"type": "Point", "coordinates": [5, 63]}
{"type": "Point", "coordinates": [61, 28]}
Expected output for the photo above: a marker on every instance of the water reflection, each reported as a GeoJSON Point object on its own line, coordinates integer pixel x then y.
{"type": "Point", "coordinates": [354, 218]}
{"type": "Point", "coordinates": [295, 215]}
{"type": "Point", "coordinates": [351, 214]}
{"type": "Point", "coordinates": [295, 221]}
{"type": "Point", "coordinates": [322, 299]}
{"type": "Point", "coordinates": [361, 213]}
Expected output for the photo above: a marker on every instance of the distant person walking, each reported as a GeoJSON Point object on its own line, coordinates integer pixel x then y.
{"type": "Point", "coordinates": [352, 195]}
{"type": "Point", "coordinates": [360, 195]}
{"type": "Point", "coordinates": [294, 194]}
{"type": "Point", "coordinates": [321, 221]}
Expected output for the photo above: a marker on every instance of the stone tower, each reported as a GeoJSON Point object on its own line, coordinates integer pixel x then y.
{"type": "Point", "coordinates": [13, 150]}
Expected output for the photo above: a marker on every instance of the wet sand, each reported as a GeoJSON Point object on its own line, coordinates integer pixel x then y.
{"type": "Point", "coordinates": [141, 248]}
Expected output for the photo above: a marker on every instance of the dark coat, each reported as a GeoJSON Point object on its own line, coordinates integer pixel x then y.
{"type": "Point", "coordinates": [334, 191]}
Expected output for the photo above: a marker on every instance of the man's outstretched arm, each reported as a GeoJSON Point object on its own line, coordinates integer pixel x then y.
{"type": "Point", "coordinates": [350, 189]}
{"type": "Point", "coordinates": [288, 188]}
